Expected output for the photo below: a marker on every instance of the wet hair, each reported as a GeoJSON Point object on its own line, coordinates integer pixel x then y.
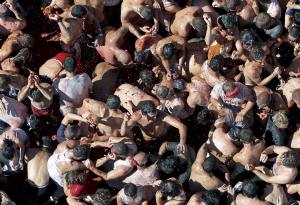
{"type": "Point", "coordinates": [102, 197]}
{"type": "Point", "coordinates": [147, 107]}
{"type": "Point", "coordinates": [120, 148]}
{"type": "Point", "coordinates": [263, 20]}
{"type": "Point", "coordinates": [130, 190]}
{"type": "Point", "coordinates": [169, 188]}
{"type": "Point", "coordinates": [212, 197]}
{"type": "Point", "coordinates": [33, 121]}
{"type": "Point", "coordinates": [79, 11]}
{"type": "Point", "coordinates": [147, 77]}
{"type": "Point", "coordinates": [139, 56]}
{"type": "Point", "coordinates": [168, 51]}
{"type": "Point", "coordinates": [257, 54]}
{"type": "Point", "coordinates": [263, 99]}
{"type": "Point", "coordinates": [179, 84]}
{"type": "Point", "coordinates": [228, 86]}
{"type": "Point", "coordinates": [231, 5]}
{"type": "Point", "coordinates": [209, 164]}
{"type": "Point", "coordinates": [280, 117]}
{"type": "Point", "coordinates": [228, 20]}
{"type": "Point", "coordinates": [246, 136]}
{"type": "Point", "coordinates": [234, 133]}
{"type": "Point", "coordinates": [22, 56]}
{"type": "Point", "coordinates": [249, 189]}
{"type": "Point", "coordinates": [247, 35]}
{"type": "Point", "coordinates": [4, 80]}
{"type": "Point", "coordinates": [216, 63]}
{"type": "Point", "coordinates": [36, 95]}
{"type": "Point", "coordinates": [76, 177]}
{"type": "Point", "coordinates": [203, 117]}
{"type": "Point", "coordinates": [162, 92]}
{"type": "Point", "coordinates": [294, 31]}
{"type": "Point", "coordinates": [147, 12]}
{"type": "Point", "coordinates": [46, 142]}
{"type": "Point", "coordinates": [199, 25]}
{"type": "Point", "coordinates": [26, 40]}
{"type": "Point", "coordinates": [82, 151]}
{"type": "Point", "coordinates": [290, 159]}
{"type": "Point", "coordinates": [141, 162]}
{"type": "Point", "coordinates": [8, 150]}
{"type": "Point", "coordinates": [296, 95]}
{"type": "Point", "coordinates": [169, 165]}
{"type": "Point", "coordinates": [113, 102]}
{"type": "Point", "coordinates": [70, 64]}
{"type": "Point", "coordinates": [297, 16]}
{"type": "Point", "coordinates": [72, 132]}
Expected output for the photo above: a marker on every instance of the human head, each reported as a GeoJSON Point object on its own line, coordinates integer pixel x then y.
{"type": "Point", "coordinates": [209, 164]}
{"type": "Point", "coordinates": [102, 197]}
{"type": "Point", "coordinates": [81, 152]}
{"type": "Point", "coordinates": [70, 65]}
{"type": "Point", "coordinates": [294, 33]}
{"type": "Point", "coordinates": [4, 11]}
{"type": "Point", "coordinates": [203, 117]}
{"type": "Point", "coordinates": [162, 92]}
{"type": "Point", "coordinates": [263, 100]}
{"type": "Point", "coordinates": [46, 142]}
{"type": "Point", "coordinates": [257, 54]}
{"type": "Point", "coordinates": [179, 85]}
{"type": "Point", "coordinates": [280, 120]}
{"type": "Point", "coordinates": [72, 132]}
{"type": "Point", "coordinates": [33, 121]}
{"type": "Point", "coordinates": [4, 82]}
{"type": "Point", "coordinates": [75, 177]}
{"type": "Point", "coordinates": [22, 56]}
{"type": "Point", "coordinates": [8, 150]}
{"type": "Point", "coordinates": [199, 25]}
{"type": "Point", "coordinates": [169, 165]}
{"type": "Point", "coordinates": [26, 40]}
{"type": "Point", "coordinates": [168, 51]}
{"type": "Point", "coordinates": [263, 20]}
{"type": "Point", "coordinates": [249, 189]}
{"type": "Point", "coordinates": [36, 95]}
{"type": "Point", "coordinates": [247, 38]}
{"type": "Point", "coordinates": [169, 188]}
{"type": "Point", "coordinates": [297, 16]}
{"type": "Point", "coordinates": [216, 63]}
{"type": "Point", "coordinates": [113, 102]}
{"type": "Point", "coordinates": [130, 190]}
{"type": "Point", "coordinates": [296, 97]}
{"type": "Point", "coordinates": [141, 56]}
{"type": "Point", "coordinates": [146, 12]}
{"type": "Point", "coordinates": [234, 133]}
{"type": "Point", "coordinates": [231, 5]}
{"type": "Point", "coordinates": [212, 197]}
{"type": "Point", "coordinates": [148, 108]}
{"type": "Point", "coordinates": [228, 21]}
{"type": "Point", "coordinates": [141, 159]}
{"type": "Point", "coordinates": [147, 77]}
{"type": "Point", "coordinates": [78, 11]}
{"type": "Point", "coordinates": [230, 89]}
{"type": "Point", "coordinates": [289, 159]}
{"type": "Point", "coordinates": [120, 149]}
{"type": "Point", "coordinates": [246, 136]}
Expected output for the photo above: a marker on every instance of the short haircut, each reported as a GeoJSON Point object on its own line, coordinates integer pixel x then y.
{"type": "Point", "coordinates": [36, 95]}
{"type": "Point", "coordinates": [228, 20]}
{"type": "Point", "coordinates": [147, 12]}
{"type": "Point", "coordinates": [113, 102]}
{"type": "Point", "coordinates": [294, 31]}
{"type": "Point", "coordinates": [234, 133]}
{"type": "Point", "coordinates": [231, 5]}
{"type": "Point", "coordinates": [169, 188]}
{"type": "Point", "coordinates": [76, 177]}
{"type": "Point", "coordinates": [212, 197]}
{"type": "Point", "coordinates": [280, 118]}
{"type": "Point", "coordinates": [8, 150]}
{"type": "Point", "coordinates": [22, 56]}
{"type": "Point", "coordinates": [46, 142]}
{"type": "Point", "coordinates": [179, 84]}
{"type": "Point", "coordinates": [102, 197]}
{"type": "Point", "coordinates": [257, 54]}
{"type": "Point", "coordinates": [203, 116]}
{"type": "Point", "coordinates": [263, 20]}
{"type": "Point", "coordinates": [247, 37]}
{"type": "Point", "coordinates": [82, 152]}
{"type": "Point", "coordinates": [26, 40]}
{"type": "Point", "coordinates": [130, 190]}
{"type": "Point", "coordinates": [70, 64]}
{"type": "Point", "coordinates": [246, 135]}
{"type": "Point", "coordinates": [290, 159]}
{"type": "Point", "coordinates": [120, 148]}
{"type": "Point", "coordinates": [147, 76]}
{"type": "Point", "coordinates": [168, 50]}
{"type": "Point", "coordinates": [147, 107]}
{"type": "Point", "coordinates": [209, 164]}
{"type": "Point", "coordinates": [249, 188]}
{"type": "Point", "coordinates": [216, 63]}
{"type": "Point", "coordinates": [79, 11]}
{"type": "Point", "coordinates": [263, 100]}
{"type": "Point", "coordinates": [72, 132]}
{"type": "Point", "coordinates": [162, 92]}
{"type": "Point", "coordinates": [169, 165]}
{"type": "Point", "coordinates": [228, 86]}
{"type": "Point", "coordinates": [33, 121]}
{"type": "Point", "coordinates": [199, 25]}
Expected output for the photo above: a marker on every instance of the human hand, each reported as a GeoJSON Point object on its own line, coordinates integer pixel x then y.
{"type": "Point", "coordinates": [234, 55]}
{"type": "Point", "coordinates": [277, 71]}
{"type": "Point", "coordinates": [111, 156]}
{"type": "Point", "coordinates": [154, 29]}
{"type": "Point", "coordinates": [100, 39]}
{"type": "Point", "coordinates": [263, 157]}
{"type": "Point", "coordinates": [89, 164]}
{"type": "Point", "coordinates": [156, 5]}
{"type": "Point", "coordinates": [207, 19]}
{"type": "Point", "coordinates": [249, 167]}
{"type": "Point", "coordinates": [223, 188]}
{"type": "Point", "coordinates": [55, 17]}
{"type": "Point", "coordinates": [181, 147]}
{"type": "Point", "coordinates": [216, 4]}
{"type": "Point", "coordinates": [157, 183]}
{"type": "Point", "coordinates": [239, 117]}
{"type": "Point", "coordinates": [146, 29]}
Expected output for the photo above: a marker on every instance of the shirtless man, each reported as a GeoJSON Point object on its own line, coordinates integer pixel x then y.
{"type": "Point", "coordinates": [275, 194]}
{"type": "Point", "coordinates": [137, 15]}
{"type": "Point", "coordinates": [113, 50]}
{"type": "Point", "coordinates": [10, 24]}
{"type": "Point", "coordinates": [154, 123]}
{"type": "Point", "coordinates": [132, 194]}
{"type": "Point", "coordinates": [202, 176]}
{"type": "Point", "coordinates": [131, 96]}
{"type": "Point", "coordinates": [37, 158]}
{"type": "Point", "coordinates": [170, 192]}
{"type": "Point", "coordinates": [291, 91]}
{"type": "Point", "coordinates": [172, 52]}
{"type": "Point", "coordinates": [206, 198]}
{"type": "Point", "coordinates": [11, 83]}
{"type": "Point", "coordinates": [284, 170]}
{"type": "Point", "coordinates": [72, 89]}
{"type": "Point", "coordinates": [39, 94]}
{"type": "Point", "coordinates": [57, 4]}
{"type": "Point", "coordinates": [14, 42]}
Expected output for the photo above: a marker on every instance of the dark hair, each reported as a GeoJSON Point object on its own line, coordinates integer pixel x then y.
{"type": "Point", "coordinates": [246, 135]}
{"type": "Point", "coordinates": [179, 85]}
{"type": "Point", "coordinates": [294, 31]}
{"type": "Point", "coordinates": [22, 56]}
{"type": "Point", "coordinates": [232, 4]}
{"type": "Point", "coordinates": [290, 159]}
{"type": "Point", "coordinates": [82, 151]}
{"type": "Point", "coordinates": [102, 197]}
{"type": "Point", "coordinates": [263, 20]}
{"type": "Point", "coordinates": [247, 37]}
{"type": "Point", "coordinates": [70, 64]}
{"type": "Point", "coordinates": [139, 56]}
{"type": "Point", "coordinates": [228, 20]}
{"type": "Point", "coordinates": [72, 132]}
{"type": "Point", "coordinates": [120, 148]}
{"type": "Point", "coordinates": [228, 86]}
{"type": "Point", "coordinates": [78, 11]}
{"type": "Point", "coordinates": [76, 177]}
{"type": "Point", "coordinates": [212, 197]}
{"type": "Point", "coordinates": [168, 51]}
{"type": "Point", "coordinates": [130, 190]}
{"type": "Point", "coordinates": [234, 133]}
{"type": "Point", "coordinates": [4, 80]}
{"type": "Point", "coordinates": [8, 150]}
{"type": "Point", "coordinates": [169, 165]}
{"type": "Point", "coordinates": [249, 188]}
{"type": "Point", "coordinates": [113, 102]}
{"type": "Point", "coordinates": [199, 25]}
{"type": "Point", "coordinates": [147, 76]}
{"type": "Point", "coordinates": [216, 63]}
{"type": "Point", "coordinates": [162, 92]}
{"type": "Point", "coordinates": [36, 95]}
{"type": "Point", "coordinates": [147, 12]}
{"type": "Point", "coordinates": [203, 116]}
{"type": "Point", "coordinates": [46, 142]}
{"type": "Point", "coordinates": [33, 121]}
{"type": "Point", "coordinates": [263, 100]}
{"type": "Point", "coordinates": [169, 188]}
{"type": "Point", "coordinates": [26, 40]}
{"type": "Point", "coordinates": [147, 107]}
{"type": "Point", "coordinates": [209, 164]}
{"type": "Point", "coordinates": [257, 54]}
{"type": "Point", "coordinates": [297, 16]}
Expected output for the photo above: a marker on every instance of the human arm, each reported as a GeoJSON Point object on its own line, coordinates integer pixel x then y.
{"type": "Point", "coordinates": [292, 5]}
{"type": "Point", "coordinates": [208, 35]}
{"type": "Point", "coordinates": [64, 30]}
{"type": "Point", "coordinates": [69, 117]}
{"type": "Point", "coordinates": [275, 73]}
{"type": "Point", "coordinates": [24, 92]}
{"type": "Point", "coordinates": [119, 198]}
{"type": "Point", "coordinates": [120, 171]}
{"type": "Point", "coordinates": [158, 198]}
{"type": "Point", "coordinates": [46, 92]}
{"type": "Point", "coordinates": [162, 149]}
{"type": "Point", "coordinates": [277, 179]}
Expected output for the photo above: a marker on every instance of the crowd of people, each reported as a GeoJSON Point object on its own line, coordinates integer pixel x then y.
{"type": "Point", "coordinates": [142, 102]}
